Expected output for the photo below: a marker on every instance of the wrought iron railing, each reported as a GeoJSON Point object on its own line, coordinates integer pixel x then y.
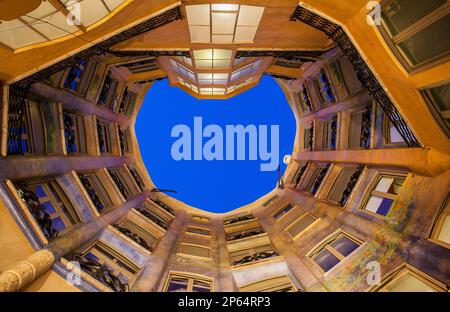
{"type": "Point", "coordinates": [37, 210]}
{"type": "Point", "coordinates": [363, 72]}
{"type": "Point", "coordinates": [319, 179]}
{"type": "Point", "coordinates": [100, 272]}
{"type": "Point", "coordinates": [350, 185]}
{"type": "Point", "coordinates": [244, 234]}
{"type": "Point", "coordinates": [91, 192]}
{"type": "Point", "coordinates": [238, 219]}
{"type": "Point", "coordinates": [366, 128]}
{"type": "Point", "coordinates": [119, 183]}
{"type": "Point", "coordinates": [137, 178]}
{"type": "Point", "coordinates": [256, 257]}
{"type": "Point", "coordinates": [133, 236]}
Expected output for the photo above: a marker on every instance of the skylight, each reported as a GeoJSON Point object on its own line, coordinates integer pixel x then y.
{"type": "Point", "coordinates": [223, 23]}
{"type": "Point", "coordinates": [50, 21]}
{"type": "Point", "coordinates": [212, 58]}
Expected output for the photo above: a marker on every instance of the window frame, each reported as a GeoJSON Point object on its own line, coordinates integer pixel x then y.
{"type": "Point", "coordinates": [372, 185]}
{"type": "Point", "coordinates": [281, 210]}
{"type": "Point", "coordinates": [438, 222]}
{"type": "Point", "coordinates": [80, 135]}
{"type": "Point", "coordinates": [328, 241]}
{"type": "Point", "coordinates": [299, 220]}
{"type": "Point", "coordinates": [118, 256]}
{"type": "Point", "coordinates": [191, 277]}
{"type": "Point", "coordinates": [421, 24]}
{"type": "Point", "coordinates": [403, 270]}
{"type": "Point", "coordinates": [439, 116]}
{"type": "Point", "coordinates": [271, 284]}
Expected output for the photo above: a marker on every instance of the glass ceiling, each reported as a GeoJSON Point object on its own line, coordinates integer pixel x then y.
{"type": "Point", "coordinates": [54, 19]}
{"type": "Point", "coordinates": [223, 23]}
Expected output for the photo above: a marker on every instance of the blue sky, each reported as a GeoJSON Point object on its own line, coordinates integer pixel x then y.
{"type": "Point", "coordinates": [217, 185]}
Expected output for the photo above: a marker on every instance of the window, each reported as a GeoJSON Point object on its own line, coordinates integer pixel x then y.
{"type": "Point", "coordinates": [188, 85]}
{"type": "Point", "coordinates": [308, 138]}
{"type": "Point", "coordinates": [238, 86]}
{"type": "Point", "coordinates": [390, 133]}
{"type": "Point", "coordinates": [105, 264]}
{"type": "Point", "coordinates": [122, 181]}
{"type": "Point", "coordinates": [108, 92]}
{"type": "Point", "coordinates": [323, 88]}
{"type": "Point", "coordinates": [127, 102]}
{"type": "Point", "coordinates": [329, 133]}
{"type": "Point", "coordinates": [245, 70]}
{"type": "Point", "coordinates": [275, 284]}
{"type": "Point", "coordinates": [144, 237]}
{"type": "Point", "coordinates": [438, 100]}
{"type": "Point", "coordinates": [304, 100]}
{"type": "Point", "coordinates": [212, 58]}
{"type": "Point", "coordinates": [251, 255]}
{"type": "Point", "coordinates": [96, 191]}
{"type": "Point", "coordinates": [314, 178]}
{"type": "Point", "coordinates": [409, 279]}
{"type": "Point", "coordinates": [244, 233]}
{"type": "Point", "coordinates": [347, 75]}
{"type": "Point", "coordinates": [383, 193]}
{"type": "Point", "coordinates": [344, 184]}
{"type": "Point", "coordinates": [441, 228]}
{"type": "Point", "coordinates": [180, 283]}
{"type": "Point", "coordinates": [26, 129]}
{"type": "Point", "coordinates": [333, 250]}
{"type": "Point", "coordinates": [137, 178]}
{"type": "Point", "coordinates": [223, 23]}
{"type": "Point", "coordinates": [198, 231]}
{"type": "Point", "coordinates": [49, 206]}
{"type": "Point", "coordinates": [299, 173]}
{"type": "Point", "coordinates": [213, 78]}
{"type": "Point", "coordinates": [417, 31]}
{"type": "Point", "coordinates": [156, 218]}
{"type": "Point", "coordinates": [360, 129]}
{"type": "Point", "coordinates": [238, 219]}
{"type": "Point", "coordinates": [104, 139]}
{"type": "Point", "coordinates": [195, 250]}
{"type": "Point", "coordinates": [296, 228]}
{"type": "Point", "coordinates": [123, 140]}
{"type": "Point", "coordinates": [283, 211]}
{"type": "Point", "coordinates": [200, 218]}
{"type": "Point", "coordinates": [183, 70]}
{"type": "Point", "coordinates": [74, 133]}
{"type": "Point", "coordinates": [80, 76]}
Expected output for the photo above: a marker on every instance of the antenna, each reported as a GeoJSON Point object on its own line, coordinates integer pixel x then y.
{"type": "Point", "coordinates": [156, 190]}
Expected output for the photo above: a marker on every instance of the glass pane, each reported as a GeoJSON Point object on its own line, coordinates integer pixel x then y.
{"type": "Point", "coordinates": [379, 205]}
{"type": "Point", "coordinates": [344, 245]}
{"type": "Point", "coordinates": [384, 184]}
{"type": "Point", "coordinates": [58, 224]}
{"type": "Point", "coordinates": [400, 14]}
{"type": "Point", "coordinates": [428, 43]}
{"type": "Point", "coordinates": [444, 234]}
{"type": "Point", "coordinates": [201, 287]}
{"type": "Point", "coordinates": [441, 97]}
{"type": "Point", "coordinates": [49, 207]}
{"type": "Point", "coordinates": [409, 283]}
{"type": "Point", "coordinates": [177, 284]}
{"type": "Point", "coordinates": [390, 185]}
{"type": "Point", "coordinates": [326, 260]}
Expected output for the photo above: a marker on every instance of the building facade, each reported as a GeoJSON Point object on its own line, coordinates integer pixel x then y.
{"type": "Point", "coordinates": [365, 201]}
